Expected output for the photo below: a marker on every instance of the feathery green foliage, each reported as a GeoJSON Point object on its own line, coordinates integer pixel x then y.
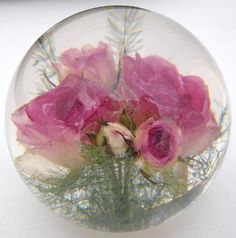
{"type": "Point", "coordinates": [106, 193]}
{"type": "Point", "coordinates": [44, 59]}
{"type": "Point", "coordinates": [124, 33]}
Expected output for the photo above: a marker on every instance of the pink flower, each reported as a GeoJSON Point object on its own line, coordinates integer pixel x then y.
{"type": "Point", "coordinates": [158, 142]}
{"type": "Point", "coordinates": [109, 111]}
{"type": "Point", "coordinates": [195, 118]}
{"type": "Point", "coordinates": [91, 63]}
{"type": "Point", "coordinates": [112, 107]}
{"type": "Point", "coordinates": [142, 109]}
{"type": "Point", "coordinates": [185, 100]}
{"type": "Point", "coordinates": [151, 76]}
{"type": "Point", "coordinates": [50, 125]}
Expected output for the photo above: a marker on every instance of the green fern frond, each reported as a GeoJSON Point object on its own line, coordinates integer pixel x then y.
{"type": "Point", "coordinates": [124, 33]}
{"type": "Point", "coordinates": [125, 29]}
{"type": "Point", "coordinates": [108, 192]}
{"type": "Point", "coordinates": [44, 60]}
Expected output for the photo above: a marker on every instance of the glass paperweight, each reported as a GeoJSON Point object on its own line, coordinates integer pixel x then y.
{"type": "Point", "coordinates": [118, 118]}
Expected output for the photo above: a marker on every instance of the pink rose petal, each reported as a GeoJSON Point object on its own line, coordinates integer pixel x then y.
{"type": "Point", "coordinates": [50, 124]}
{"type": "Point", "coordinates": [158, 142]}
{"type": "Point", "coordinates": [91, 63]}
{"type": "Point", "coordinates": [184, 100]}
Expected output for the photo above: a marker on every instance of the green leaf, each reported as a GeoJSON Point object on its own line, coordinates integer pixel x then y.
{"type": "Point", "coordinates": [92, 138]}
{"type": "Point", "coordinates": [126, 120]}
{"type": "Point", "coordinates": [100, 138]}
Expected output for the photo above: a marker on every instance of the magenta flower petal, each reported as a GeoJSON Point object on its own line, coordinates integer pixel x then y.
{"type": "Point", "coordinates": [92, 63]}
{"type": "Point", "coordinates": [154, 77]}
{"type": "Point", "coordinates": [143, 109]}
{"type": "Point", "coordinates": [199, 138]}
{"type": "Point", "coordinates": [51, 124]}
{"type": "Point", "coordinates": [195, 118]}
{"type": "Point", "coordinates": [185, 100]}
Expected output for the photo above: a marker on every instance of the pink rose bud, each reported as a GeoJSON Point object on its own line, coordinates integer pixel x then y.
{"type": "Point", "coordinates": [116, 135]}
{"type": "Point", "coordinates": [158, 142]}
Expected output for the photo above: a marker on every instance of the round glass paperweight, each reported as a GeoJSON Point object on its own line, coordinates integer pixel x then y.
{"type": "Point", "coordinates": [117, 118]}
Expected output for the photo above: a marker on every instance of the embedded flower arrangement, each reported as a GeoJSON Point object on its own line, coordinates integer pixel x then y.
{"type": "Point", "coordinates": [114, 137]}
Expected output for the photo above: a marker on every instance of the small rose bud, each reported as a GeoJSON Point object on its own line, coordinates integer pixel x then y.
{"type": "Point", "coordinates": [116, 136]}
{"type": "Point", "coordinates": [158, 142]}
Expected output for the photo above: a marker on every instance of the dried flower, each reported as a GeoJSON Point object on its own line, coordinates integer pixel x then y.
{"type": "Point", "coordinates": [91, 63]}
{"type": "Point", "coordinates": [51, 124]}
{"type": "Point", "coordinates": [183, 99]}
{"type": "Point", "coordinates": [158, 142]}
{"type": "Point", "coordinates": [116, 136]}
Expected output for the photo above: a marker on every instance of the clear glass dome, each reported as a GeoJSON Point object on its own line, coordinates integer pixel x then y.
{"type": "Point", "coordinates": [118, 118]}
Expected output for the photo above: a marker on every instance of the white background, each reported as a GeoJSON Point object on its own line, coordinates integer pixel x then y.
{"type": "Point", "coordinates": [211, 216]}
